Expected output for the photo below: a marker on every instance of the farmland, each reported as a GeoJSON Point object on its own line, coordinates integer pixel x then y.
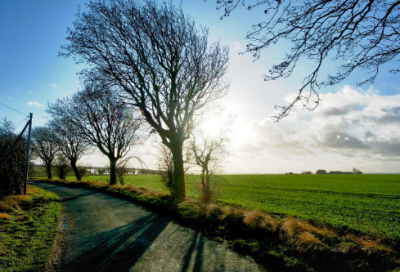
{"type": "Point", "coordinates": [366, 203]}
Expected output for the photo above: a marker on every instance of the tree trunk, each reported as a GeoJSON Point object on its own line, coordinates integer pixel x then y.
{"type": "Point", "coordinates": [179, 173]}
{"type": "Point", "coordinates": [48, 169]}
{"type": "Point", "coordinates": [76, 171]}
{"type": "Point", "coordinates": [203, 186]}
{"type": "Point", "coordinates": [208, 193]}
{"type": "Point", "coordinates": [113, 171]}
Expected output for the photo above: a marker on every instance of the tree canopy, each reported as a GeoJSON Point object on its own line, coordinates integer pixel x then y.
{"type": "Point", "coordinates": [158, 59]}
{"type": "Point", "coordinates": [359, 34]}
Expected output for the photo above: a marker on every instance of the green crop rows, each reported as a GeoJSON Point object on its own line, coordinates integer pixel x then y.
{"type": "Point", "coordinates": [367, 203]}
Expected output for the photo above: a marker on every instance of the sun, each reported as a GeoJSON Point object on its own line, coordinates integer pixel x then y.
{"type": "Point", "coordinates": [212, 126]}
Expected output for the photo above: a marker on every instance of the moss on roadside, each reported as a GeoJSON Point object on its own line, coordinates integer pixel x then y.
{"type": "Point", "coordinates": [27, 234]}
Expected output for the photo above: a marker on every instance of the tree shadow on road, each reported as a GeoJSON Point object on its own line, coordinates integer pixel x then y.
{"type": "Point", "coordinates": [197, 239]}
{"type": "Point", "coordinates": [118, 249]}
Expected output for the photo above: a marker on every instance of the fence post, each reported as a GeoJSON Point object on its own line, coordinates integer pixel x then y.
{"type": "Point", "coordinates": [27, 154]}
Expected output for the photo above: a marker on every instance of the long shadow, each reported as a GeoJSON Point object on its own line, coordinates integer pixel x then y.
{"type": "Point", "coordinates": [116, 250]}
{"type": "Point", "coordinates": [188, 255]}
{"type": "Point", "coordinates": [199, 254]}
{"type": "Point", "coordinates": [196, 245]}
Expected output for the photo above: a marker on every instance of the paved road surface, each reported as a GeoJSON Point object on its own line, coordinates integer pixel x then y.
{"type": "Point", "coordinates": [105, 233]}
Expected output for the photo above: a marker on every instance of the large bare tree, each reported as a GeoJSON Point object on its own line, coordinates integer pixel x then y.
{"type": "Point", "coordinates": [359, 34]}
{"type": "Point", "coordinates": [45, 145]}
{"type": "Point", "coordinates": [159, 60]}
{"type": "Point", "coordinates": [71, 142]}
{"type": "Point", "coordinates": [102, 119]}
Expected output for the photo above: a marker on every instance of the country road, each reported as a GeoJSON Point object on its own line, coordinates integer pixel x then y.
{"type": "Point", "coordinates": [105, 233]}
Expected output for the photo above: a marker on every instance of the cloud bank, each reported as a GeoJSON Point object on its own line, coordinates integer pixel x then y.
{"type": "Point", "coordinates": [350, 128]}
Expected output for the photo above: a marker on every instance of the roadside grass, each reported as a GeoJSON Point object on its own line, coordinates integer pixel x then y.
{"type": "Point", "coordinates": [368, 204]}
{"type": "Point", "coordinates": [28, 226]}
{"type": "Point", "coordinates": [278, 242]}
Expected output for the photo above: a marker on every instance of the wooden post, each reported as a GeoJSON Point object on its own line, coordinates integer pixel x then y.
{"type": "Point", "coordinates": [27, 154]}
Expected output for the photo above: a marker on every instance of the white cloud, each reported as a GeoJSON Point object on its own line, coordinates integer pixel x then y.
{"type": "Point", "coordinates": [350, 128]}
{"type": "Point", "coordinates": [55, 86]}
{"type": "Point", "coordinates": [34, 103]}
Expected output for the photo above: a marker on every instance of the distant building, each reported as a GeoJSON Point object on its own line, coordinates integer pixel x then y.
{"type": "Point", "coordinates": [340, 172]}
{"type": "Point", "coordinates": [321, 171]}
{"type": "Point", "coordinates": [306, 173]}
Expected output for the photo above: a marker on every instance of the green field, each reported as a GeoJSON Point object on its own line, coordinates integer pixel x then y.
{"type": "Point", "coordinates": [367, 203]}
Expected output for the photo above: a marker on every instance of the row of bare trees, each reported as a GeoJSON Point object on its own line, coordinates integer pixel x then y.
{"type": "Point", "coordinates": [152, 60]}
{"type": "Point", "coordinates": [150, 70]}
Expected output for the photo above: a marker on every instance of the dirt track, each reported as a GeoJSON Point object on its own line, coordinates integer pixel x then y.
{"type": "Point", "coordinates": [105, 233]}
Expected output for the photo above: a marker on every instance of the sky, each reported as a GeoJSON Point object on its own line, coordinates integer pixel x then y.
{"type": "Point", "coordinates": [352, 127]}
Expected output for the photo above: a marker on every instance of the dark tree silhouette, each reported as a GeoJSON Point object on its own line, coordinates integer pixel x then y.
{"type": "Point", "coordinates": [362, 34]}
{"type": "Point", "coordinates": [159, 60]}
{"type": "Point", "coordinates": [71, 143]}
{"type": "Point", "coordinates": [12, 169]}
{"type": "Point", "coordinates": [102, 119]}
{"type": "Point", "coordinates": [45, 145]}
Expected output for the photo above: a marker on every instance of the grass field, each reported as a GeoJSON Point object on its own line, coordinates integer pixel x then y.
{"type": "Point", "coordinates": [367, 203]}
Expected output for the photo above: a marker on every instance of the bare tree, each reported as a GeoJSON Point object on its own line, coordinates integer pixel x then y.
{"type": "Point", "coordinates": [208, 152]}
{"type": "Point", "coordinates": [102, 119]}
{"type": "Point", "coordinates": [122, 170]}
{"type": "Point", "coordinates": [45, 145]}
{"type": "Point", "coordinates": [160, 61]}
{"type": "Point", "coordinates": [362, 34]}
{"type": "Point", "coordinates": [62, 166]}
{"type": "Point", "coordinates": [71, 142]}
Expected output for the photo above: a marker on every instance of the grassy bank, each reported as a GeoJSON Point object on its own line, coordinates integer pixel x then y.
{"type": "Point", "coordinates": [278, 242]}
{"type": "Point", "coordinates": [28, 226]}
{"type": "Point", "coordinates": [365, 203]}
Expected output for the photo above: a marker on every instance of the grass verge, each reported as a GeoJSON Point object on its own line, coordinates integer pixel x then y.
{"type": "Point", "coordinates": [28, 227]}
{"type": "Point", "coordinates": [279, 243]}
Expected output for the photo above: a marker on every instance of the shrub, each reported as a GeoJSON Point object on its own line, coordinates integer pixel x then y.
{"type": "Point", "coordinates": [11, 170]}
{"type": "Point", "coordinates": [61, 164]}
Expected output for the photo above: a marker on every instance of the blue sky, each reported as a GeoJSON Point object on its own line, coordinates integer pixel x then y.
{"type": "Point", "coordinates": [32, 74]}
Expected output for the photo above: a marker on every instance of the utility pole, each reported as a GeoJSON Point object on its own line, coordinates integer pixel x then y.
{"type": "Point", "coordinates": [27, 154]}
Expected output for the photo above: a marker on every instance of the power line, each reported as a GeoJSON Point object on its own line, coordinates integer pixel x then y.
{"type": "Point", "coordinates": [14, 109]}
{"type": "Point", "coordinates": [20, 122]}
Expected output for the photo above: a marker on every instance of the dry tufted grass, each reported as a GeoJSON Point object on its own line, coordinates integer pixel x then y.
{"type": "Point", "coordinates": [212, 210]}
{"type": "Point", "coordinates": [231, 212]}
{"type": "Point", "coordinates": [253, 218]}
{"type": "Point", "coordinates": [4, 216]}
{"type": "Point", "coordinates": [12, 202]}
{"type": "Point", "coordinates": [368, 244]}
{"type": "Point", "coordinates": [272, 223]}
{"type": "Point", "coordinates": [258, 219]}
{"type": "Point", "coordinates": [306, 241]}
{"type": "Point", "coordinates": [292, 226]}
